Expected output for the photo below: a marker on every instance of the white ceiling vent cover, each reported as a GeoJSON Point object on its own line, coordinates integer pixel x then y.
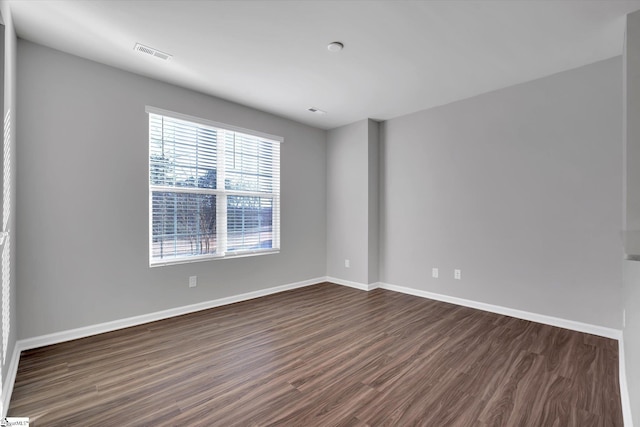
{"type": "Point", "coordinates": [151, 51]}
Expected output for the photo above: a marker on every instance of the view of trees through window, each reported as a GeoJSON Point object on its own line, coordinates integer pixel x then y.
{"type": "Point", "coordinates": [213, 192]}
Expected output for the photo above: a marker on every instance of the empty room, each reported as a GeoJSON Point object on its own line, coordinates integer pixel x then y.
{"type": "Point", "coordinates": [320, 213]}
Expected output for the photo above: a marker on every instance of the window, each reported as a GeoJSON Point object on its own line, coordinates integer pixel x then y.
{"type": "Point", "coordinates": [214, 190]}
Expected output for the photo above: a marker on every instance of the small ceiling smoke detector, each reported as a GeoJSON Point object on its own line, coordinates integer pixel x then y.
{"type": "Point", "coordinates": [335, 46]}
{"type": "Point", "coordinates": [151, 51]}
{"type": "Point", "coordinates": [316, 110]}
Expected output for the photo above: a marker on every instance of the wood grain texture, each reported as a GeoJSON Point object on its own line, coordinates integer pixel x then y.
{"type": "Point", "coordinates": [325, 355]}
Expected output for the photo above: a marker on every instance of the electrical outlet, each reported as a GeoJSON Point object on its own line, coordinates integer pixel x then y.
{"type": "Point", "coordinates": [457, 274]}
{"type": "Point", "coordinates": [193, 281]}
{"type": "Point", "coordinates": [347, 263]}
{"type": "Point", "coordinates": [434, 273]}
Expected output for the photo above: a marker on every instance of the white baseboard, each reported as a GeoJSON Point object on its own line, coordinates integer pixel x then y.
{"type": "Point", "coordinates": [624, 390]}
{"type": "Point", "coordinates": [86, 331]}
{"type": "Point", "coordinates": [58, 337]}
{"type": "Point", "coordinates": [7, 388]}
{"type": "Point", "coordinates": [356, 285]}
{"type": "Point", "coordinates": [540, 318]}
{"type": "Point", "coordinates": [520, 314]}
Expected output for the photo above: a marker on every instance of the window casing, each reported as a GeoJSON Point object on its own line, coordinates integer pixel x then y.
{"type": "Point", "coordinates": [214, 190]}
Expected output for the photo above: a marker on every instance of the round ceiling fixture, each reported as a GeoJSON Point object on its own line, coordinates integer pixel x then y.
{"type": "Point", "coordinates": [335, 46]}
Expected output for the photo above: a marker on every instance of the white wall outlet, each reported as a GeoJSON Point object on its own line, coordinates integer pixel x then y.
{"type": "Point", "coordinates": [434, 273]}
{"type": "Point", "coordinates": [347, 263]}
{"type": "Point", "coordinates": [193, 281]}
{"type": "Point", "coordinates": [457, 274]}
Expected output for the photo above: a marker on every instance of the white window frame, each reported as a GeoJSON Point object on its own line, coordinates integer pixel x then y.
{"type": "Point", "coordinates": [221, 195]}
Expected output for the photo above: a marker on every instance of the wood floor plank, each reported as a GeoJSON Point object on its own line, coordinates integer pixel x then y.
{"type": "Point", "coordinates": [325, 355]}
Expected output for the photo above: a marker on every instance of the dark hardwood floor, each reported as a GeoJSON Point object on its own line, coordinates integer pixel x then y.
{"type": "Point", "coordinates": [325, 355]}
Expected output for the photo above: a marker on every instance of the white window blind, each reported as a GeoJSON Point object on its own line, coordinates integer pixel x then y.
{"type": "Point", "coordinates": [214, 190]}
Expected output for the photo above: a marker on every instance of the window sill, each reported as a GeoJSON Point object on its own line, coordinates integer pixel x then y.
{"type": "Point", "coordinates": [191, 260]}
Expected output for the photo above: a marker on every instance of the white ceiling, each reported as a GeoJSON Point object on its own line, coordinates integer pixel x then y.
{"type": "Point", "coordinates": [399, 56]}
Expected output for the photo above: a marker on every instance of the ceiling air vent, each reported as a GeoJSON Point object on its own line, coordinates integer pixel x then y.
{"type": "Point", "coordinates": [316, 110]}
{"type": "Point", "coordinates": [151, 51]}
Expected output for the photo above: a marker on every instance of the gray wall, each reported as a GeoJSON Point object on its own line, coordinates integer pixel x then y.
{"type": "Point", "coordinates": [520, 189]}
{"type": "Point", "coordinates": [631, 294]}
{"type": "Point", "coordinates": [352, 202]}
{"type": "Point", "coordinates": [8, 263]}
{"type": "Point", "coordinates": [632, 135]}
{"type": "Point", "coordinates": [347, 202]}
{"type": "Point", "coordinates": [373, 147]}
{"type": "Point", "coordinates": [83, 205]}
